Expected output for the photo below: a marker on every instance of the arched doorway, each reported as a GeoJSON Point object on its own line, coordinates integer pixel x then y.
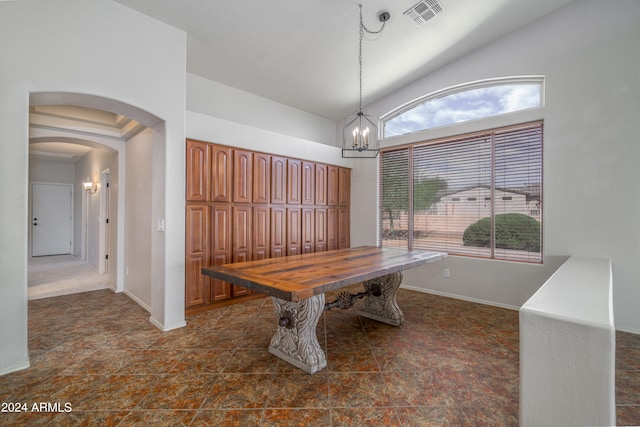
{"type": "Point", "coordinates": [58, 167]}
{"type": "Point", "coordinates": [135, 138]}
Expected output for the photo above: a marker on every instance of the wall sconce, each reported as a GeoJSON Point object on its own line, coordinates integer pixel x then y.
{"type": "Point", "coordinates": [89, 186]}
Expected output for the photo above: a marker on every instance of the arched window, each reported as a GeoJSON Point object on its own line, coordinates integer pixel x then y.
{"type": "Point", "coordinates": [470, 190]}
{"type": "Point", "coordinates": [465, 102]}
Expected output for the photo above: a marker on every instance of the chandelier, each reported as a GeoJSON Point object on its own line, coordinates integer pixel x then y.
{"type": "Point", "coordinates": [362, 132]}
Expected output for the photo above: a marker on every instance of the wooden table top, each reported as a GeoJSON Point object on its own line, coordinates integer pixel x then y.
{"type": "Point", "coordinates": [297, 277]}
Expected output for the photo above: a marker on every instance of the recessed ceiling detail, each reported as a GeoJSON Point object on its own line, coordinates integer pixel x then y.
{"type": "Point", "coordinates": [87, 121]}
{"type": "Point", "coordinates": [423, 11]}
{"type": "Point", "coordinates": [61, 150]}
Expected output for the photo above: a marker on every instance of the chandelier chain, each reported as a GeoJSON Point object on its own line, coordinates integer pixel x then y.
{"type": "Point", "coordinates": [360, 60]}
{"type": "Point", "coordinates": [361, 133]}
{"type": "Point", "coordinates": [363, 28]}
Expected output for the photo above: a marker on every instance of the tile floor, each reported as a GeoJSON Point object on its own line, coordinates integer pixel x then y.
{"type": "Point", "coordinates": [451, 363]}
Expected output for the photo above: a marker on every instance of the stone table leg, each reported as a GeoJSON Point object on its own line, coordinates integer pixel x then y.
{"type": "Point", "coordinates": [295, 341]}
{"type": "Point", "coordinates": [383, 308]}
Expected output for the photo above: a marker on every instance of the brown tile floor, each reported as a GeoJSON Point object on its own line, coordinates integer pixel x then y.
{"type": "Point", "coordinates": [451, 363]}
{"type": "Point", "coordinates": [628, 379]}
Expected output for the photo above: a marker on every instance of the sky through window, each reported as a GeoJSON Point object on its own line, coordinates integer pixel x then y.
{"type": "Point", "coordinates": [465, 105]}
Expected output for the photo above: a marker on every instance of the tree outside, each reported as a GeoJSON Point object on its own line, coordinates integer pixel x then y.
{"type": "Point", "coordinates": [395, 194]}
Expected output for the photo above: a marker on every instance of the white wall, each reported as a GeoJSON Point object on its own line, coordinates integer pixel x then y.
{"type": "Point", "coordinates": [87, 206]}
{"type": "Point", "coordinates": [213, 129]}
{"type": "Point", "coordinates": [567, 350]}
{"type": "Point", "coordinates": [217, 100]}
{"type": "Point", "coordinates": [589, 56]}
{"type": "Point", "coordinates": [138, 218]}
{"type": "Point", "coordinates": [117, 57]}
{"type": "Point", "coordinates": [215, 113]}
{"type": "Point", "coordinates": [47, 169]}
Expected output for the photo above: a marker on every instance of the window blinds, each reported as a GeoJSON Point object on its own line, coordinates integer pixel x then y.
{"type": "Point", "coordinates": [394, 198]}
{"type": "Point", "coordinates": [477, 195]}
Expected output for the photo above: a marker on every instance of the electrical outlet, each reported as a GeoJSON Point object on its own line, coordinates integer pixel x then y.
{"type": "Point", "coordinates": [447, 273]}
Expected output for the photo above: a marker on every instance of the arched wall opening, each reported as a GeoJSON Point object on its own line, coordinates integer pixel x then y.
{"type": "Point", "coordinates": [68, 162]}
{"type": "Point", "coordinates": [136, 191]}
{"type": "Point", "coordinates": [81, 59]}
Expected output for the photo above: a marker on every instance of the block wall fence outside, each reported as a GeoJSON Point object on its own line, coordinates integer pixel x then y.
{"type": "Point", "coordinates": [567, 348]}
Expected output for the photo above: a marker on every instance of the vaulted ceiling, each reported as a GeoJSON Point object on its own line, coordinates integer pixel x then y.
{"type": "Point", "coordinates": [304, 53]}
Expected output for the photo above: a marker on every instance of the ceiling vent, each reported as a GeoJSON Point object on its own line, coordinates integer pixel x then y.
{"type": "Point", "coordinates": [423, 11]}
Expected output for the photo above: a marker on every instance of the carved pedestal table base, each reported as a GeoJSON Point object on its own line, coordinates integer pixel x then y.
{"type": "Point", "coordinates": [384, 307]}
{"type": "Point", "coordinates": [295, 341]}
{"type": "Point", "coordinates": [298, 283]}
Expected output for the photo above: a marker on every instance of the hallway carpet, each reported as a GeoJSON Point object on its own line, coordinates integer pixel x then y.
{"type": "Point", "coordinates": [96, 360]}
{"type": "Point", "coordinates": [57, 275]}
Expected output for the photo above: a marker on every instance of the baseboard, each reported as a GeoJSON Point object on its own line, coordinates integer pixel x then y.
{"type": "Point", "coordinates": [629, 331]}
{"type": "Point", "coordinates": [460, 297]}
{"type": "Point", "coordinates": [153, 321]}
{"type": "Point", "coordinates": [137, 300]}
{"type": "Point", "coordinates": [165, 328]}
{"type": "Point", "coordinates": [12, 369]}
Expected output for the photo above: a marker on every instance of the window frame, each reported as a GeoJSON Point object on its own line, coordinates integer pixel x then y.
{"type": "Point", "coordinates": [450, 139]}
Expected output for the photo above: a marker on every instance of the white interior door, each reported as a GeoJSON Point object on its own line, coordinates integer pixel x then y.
{"type": "Point", "coordinates": [52, 219]}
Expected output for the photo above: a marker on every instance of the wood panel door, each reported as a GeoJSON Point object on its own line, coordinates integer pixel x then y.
{"type": "Point", "coordinates": [278, 180]}
{"type": "Point", "coordinates": [294, 227]}
{"type": "Point", "coordinates": [294, 181]}
{"type": "Point", "coordinates": [246, 205]}
{"type": "Point", "coordinates": [241, 246]}
{"type": "Point", "coordinates": [344, 240]}
{"type": "Point", "coordinates": [197, 218]}
{"type": "Point", "coordinates": [320, 227]}
{"type": "Point", "coordinates": [197, 286]}
{"type": "Point", "coordinates": [308, 234]}
{"type": "Point", "coordinates": [321, 184]}
{"type": "Point", "coordinates": [220, 249]}
{"type": "Point", "coordinates": [242, 176]}
{"type": "Point", "coordinates": [332, 229]}
{"type": "Point", "coordinates": [197, 171]}
{"type": "Point", "coordinates": [261, 232]}
{"type": "Point", "coordinates": [261, 178]}
{"type": "Point", "coordinates": [308, 183]}
{"type": "Point", "coordinates": [344, 186]}
{"type": "Point", "coordinates": [221, 177]}
{"type": "Point", "coordinates": [278, 232]}
{"type": "Point", "coordinates": [242, 225]}
{"type": "Point", "coordinates": [332, 185]}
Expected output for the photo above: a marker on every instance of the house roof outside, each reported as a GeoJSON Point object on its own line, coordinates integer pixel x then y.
{"type": "Point", "coordinates": [531, 191]}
